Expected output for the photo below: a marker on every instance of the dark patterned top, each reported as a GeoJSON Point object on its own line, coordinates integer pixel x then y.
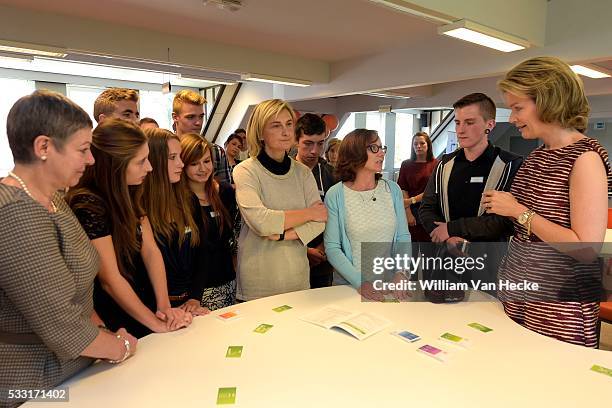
{"type": "Point", "coordinates": [566, 306]}
{"type": "Point", "coordinates": [47, 269]}
{"type": "Point", "coordinates": [93, 215]}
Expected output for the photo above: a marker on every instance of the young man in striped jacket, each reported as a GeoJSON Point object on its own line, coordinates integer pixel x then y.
{"type": "Point", "coordinates": [451, 210]}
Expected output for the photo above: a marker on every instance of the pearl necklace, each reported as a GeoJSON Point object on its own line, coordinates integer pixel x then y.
{"type": "Point", "coordinates": [25, 188]}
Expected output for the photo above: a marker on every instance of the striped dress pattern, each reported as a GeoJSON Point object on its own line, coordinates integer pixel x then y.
{"type": "Point", "coordinates": [566, 307]}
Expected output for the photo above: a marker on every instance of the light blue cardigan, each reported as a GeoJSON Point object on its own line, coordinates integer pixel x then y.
{"type": "Point", "coordinates": [337, 243]}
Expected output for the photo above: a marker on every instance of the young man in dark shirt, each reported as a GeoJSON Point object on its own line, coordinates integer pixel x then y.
{"type": "Point", "coordinates": [451, 210]}
{"type": "Point", "coordinates": [310, 133]}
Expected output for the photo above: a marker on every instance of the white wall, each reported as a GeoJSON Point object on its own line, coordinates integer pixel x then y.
{"type": "Point", "coordinates": [251, 93]}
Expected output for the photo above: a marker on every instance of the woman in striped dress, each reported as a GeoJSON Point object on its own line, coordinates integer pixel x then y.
{"type": "Point", "coordinates": [558, 199]}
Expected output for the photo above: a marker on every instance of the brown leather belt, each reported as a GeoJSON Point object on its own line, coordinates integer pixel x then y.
{"type": "Point", "coordinates": [180, 297]}
{"type": "Point", "coordinates": [19, 338]}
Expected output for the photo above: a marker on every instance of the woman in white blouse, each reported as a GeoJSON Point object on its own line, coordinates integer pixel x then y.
{"type": "Point", "coordinates": [364, 208]}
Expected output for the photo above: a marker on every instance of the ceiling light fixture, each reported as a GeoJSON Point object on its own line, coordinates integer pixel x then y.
{"type": "Point", "coordinates": [33, 49]}
{"type": "Point", "coordinates": [416, 10]}
{"type": "Point", "coordinates": [590, 71]}
{"type": "Point", "coordinates": [16, 57]}
{"type": "Point", "coordinates": [206, 79]}
{"type": "Point", "coordinates": [470, 31]}
{"type": "Point", "coordinates": [276, 80]}
{"type": "Point", "coordinates": [386, 95]}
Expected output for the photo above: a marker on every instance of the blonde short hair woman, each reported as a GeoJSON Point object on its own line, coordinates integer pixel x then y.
{"type": "Point", "coordinates": [559, 195]}
{"type": "Point", "coordinates": [280, 205]}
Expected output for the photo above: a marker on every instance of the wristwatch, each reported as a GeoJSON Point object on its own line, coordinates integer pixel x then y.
{"type": "Point", "coordinates": [412, 200]}
{"type": "Point", "coordinates": [525, 219]}
{"type": "Point", "coordinates": [282, 236]}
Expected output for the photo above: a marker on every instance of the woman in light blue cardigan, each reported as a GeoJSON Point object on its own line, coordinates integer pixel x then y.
{"type": "Point", "coordinates": [362, 208]}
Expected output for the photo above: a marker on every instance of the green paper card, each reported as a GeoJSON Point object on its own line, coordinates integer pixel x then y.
{"type": "Point", "coordinates": [451, 337]}
{"type": "Point", "coordinates": [602, 370]}
{"type": "Point", "coordinates": [262, 328]}
{"type": "Point", "coordinates": [234, 352]}
{"type": "Point", "coordinates": [282, 308]}
{"type": "Point", "coordinates": [226, 396]}
{"type": "Point", "coordinates": [480, 327]}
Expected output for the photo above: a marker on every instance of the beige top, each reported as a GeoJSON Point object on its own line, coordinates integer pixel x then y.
{"type": "Point", "coordinates": [265, 267]}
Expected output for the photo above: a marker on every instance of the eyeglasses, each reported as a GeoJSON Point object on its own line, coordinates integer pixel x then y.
{"type": "Point", "coordinates": [374, 148]}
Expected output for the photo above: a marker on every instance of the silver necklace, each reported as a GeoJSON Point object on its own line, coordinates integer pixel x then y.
{"type": "Point", "coordinates": [25, 188]}
{"type": "Point", "coordinates": [367, 193]}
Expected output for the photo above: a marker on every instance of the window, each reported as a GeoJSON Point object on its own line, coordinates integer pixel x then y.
{"type": "Point", "coordinates": [404, 130]}
{"type": "Point", "coordinates": [84, 96]}
{"type": "Point", "coordinates": [157, 105]}
{"type": "Point", "coordinates": [153, 104]}
{"type": "Point", "coordinates": [376, 121]}
{"type": "Point", "coordinates": [401, 139]}
{"type": "Point", "coordinates": [12, 89]}
{"type": "Point", "coordinates": [347, 127]}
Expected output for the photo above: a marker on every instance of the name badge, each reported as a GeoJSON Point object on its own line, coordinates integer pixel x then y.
{"type": "Point", "coordinates": [477, 179]}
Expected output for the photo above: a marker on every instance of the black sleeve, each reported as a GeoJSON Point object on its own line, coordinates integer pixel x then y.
{"type": "Point", "coordinates": [430, 204]}
{"type": "Point", "coordinates": [200, 254]}
{"type": "Point", "coordinates": [487, 227]}
{"type": "Point", "coordinates": [92, 214]}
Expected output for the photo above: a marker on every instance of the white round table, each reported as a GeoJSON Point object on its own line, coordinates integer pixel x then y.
{"type": "Point", "coordinates": [297, 364]}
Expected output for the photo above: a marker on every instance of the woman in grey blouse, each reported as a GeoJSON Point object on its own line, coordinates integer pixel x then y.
{"type": "Point", "coordinates": [280, 205]}
{"type": "Point", "coordinates": [48, 328]}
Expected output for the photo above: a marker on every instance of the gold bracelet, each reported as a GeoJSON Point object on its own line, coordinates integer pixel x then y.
{"type": "Point", "coordinates": [529, 218]}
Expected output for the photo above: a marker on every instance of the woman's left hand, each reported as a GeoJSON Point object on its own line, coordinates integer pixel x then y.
{"type": "Point", "coordinates": [193, 306]}
{"type": "Point", "coordinates": [501, 203]}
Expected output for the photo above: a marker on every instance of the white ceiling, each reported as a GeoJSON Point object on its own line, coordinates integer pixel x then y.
{"type": "Point", "coordinates": [343, 46]}
{"type": "Point", "coordinates": [327, 30]}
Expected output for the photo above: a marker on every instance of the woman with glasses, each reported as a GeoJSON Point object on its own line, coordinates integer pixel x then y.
{"type": "Point", "coordinates": [363, 208]}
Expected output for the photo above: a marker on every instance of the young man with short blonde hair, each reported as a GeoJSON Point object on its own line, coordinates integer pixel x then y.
{"type": "Point", "coordinates": [119, 103]}
{"type": "Point", "coordinates": [188, 117]}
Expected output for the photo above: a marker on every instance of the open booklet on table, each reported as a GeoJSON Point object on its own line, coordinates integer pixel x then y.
{"type": "Point", "coordinates": [360, 325]}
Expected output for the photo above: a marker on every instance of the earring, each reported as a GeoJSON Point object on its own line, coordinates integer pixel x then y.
{"type": "Point", "coordinates": [487, 131]}
{"type": "Point", "coordinates": [43, 157]}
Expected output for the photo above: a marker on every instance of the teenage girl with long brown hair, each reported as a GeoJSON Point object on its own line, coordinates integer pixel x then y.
{"type": "Point", "coordinates": [171, 207]}
{"type": "Point", "coordinates": [218, 208]}
{"type": "Point", "coordinates": [130, 290]}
